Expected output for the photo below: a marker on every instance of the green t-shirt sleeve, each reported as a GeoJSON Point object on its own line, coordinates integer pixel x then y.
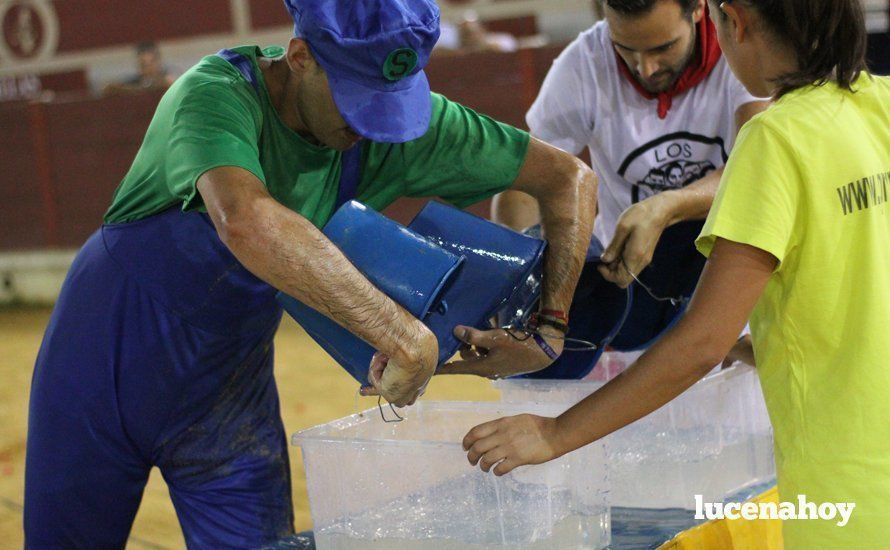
{"type": "Point", "coordinates": [463, 158]}
{"type": "Point", "coordinates": [758, 200]}
{"type": "Point", "coordinates": [217, 123]}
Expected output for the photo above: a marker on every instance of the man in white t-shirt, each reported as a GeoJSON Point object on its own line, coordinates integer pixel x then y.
{"type": "Point", "coordinates": [648, 92]}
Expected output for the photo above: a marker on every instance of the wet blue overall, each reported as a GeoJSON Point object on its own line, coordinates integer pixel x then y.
{"type": "Point", "coordinates": [159, 353]}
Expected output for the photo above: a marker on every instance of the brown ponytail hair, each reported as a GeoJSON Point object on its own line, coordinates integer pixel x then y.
{"type": "Point", "coordinates": [827, 36]}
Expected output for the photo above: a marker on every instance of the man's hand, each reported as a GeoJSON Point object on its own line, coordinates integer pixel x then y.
{"type": "Point", "coordinates": [512, 441]}
{"type": "Point", "coordinates": [636, 236]}
{"type": "Point", "coordinates": [497, 353]}
{"type": "Point", "coordinates": [402, 381]}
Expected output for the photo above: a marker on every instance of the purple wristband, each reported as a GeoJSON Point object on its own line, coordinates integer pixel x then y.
{"type": "Point", "coordinates": [546, 347]}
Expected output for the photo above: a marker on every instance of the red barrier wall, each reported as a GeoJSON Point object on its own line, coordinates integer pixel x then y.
{"type": "Point", "coordinates": [115, 23]}
{"type": "Point", "coordinates": [21, 201]}
{"type": "Point", "coordinates": [62, 160]}
{"type": "Point", "coordinates": [61, 163]}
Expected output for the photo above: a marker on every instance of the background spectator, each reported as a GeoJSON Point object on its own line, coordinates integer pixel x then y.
{"type": "Point", "coordinates": [152, 73]}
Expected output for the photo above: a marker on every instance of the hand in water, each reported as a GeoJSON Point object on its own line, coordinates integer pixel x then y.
{"type": "Point", "coordinates": [512, 441]}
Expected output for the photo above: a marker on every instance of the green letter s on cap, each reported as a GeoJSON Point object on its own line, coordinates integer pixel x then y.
{"type": "Point", "coordinates": [399, 63]}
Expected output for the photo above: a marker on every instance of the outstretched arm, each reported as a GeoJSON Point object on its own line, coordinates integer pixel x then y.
{"type": "Point", "coordinates": [730, 286]}
{"type": "Point", "coordinates": [565, 190]}
{"type": "Point", "coordinates": [284, 249]}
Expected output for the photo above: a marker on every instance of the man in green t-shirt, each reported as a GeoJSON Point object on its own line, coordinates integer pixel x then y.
{"type": "Point", "coordinates": [159, 351]}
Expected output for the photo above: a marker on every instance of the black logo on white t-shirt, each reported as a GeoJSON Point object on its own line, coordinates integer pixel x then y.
{"type": "Point", "coordinates": [671, 162]}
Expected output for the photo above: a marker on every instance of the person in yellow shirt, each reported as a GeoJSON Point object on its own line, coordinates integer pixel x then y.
{"type": "Point", "coordinates": [798, 240]}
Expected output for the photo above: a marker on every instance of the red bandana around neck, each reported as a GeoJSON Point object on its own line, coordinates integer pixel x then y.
{"type": "Point", "coordinates": [707, 56]}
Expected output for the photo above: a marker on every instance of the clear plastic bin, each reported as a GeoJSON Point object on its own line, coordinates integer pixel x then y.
{"type": "Point", "coordinates": [714, 440]}
{"type": "Point", "coordinates": [611, 364]}
{"type": "Point", "coordinates": [408, 485]}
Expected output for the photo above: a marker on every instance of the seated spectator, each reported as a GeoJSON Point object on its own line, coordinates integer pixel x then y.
{"type": "Point", "coordinates": [152, 73]}
{"type": "Point", "coordinates": [474, 37]}
{"type": "Point", "coordinates": [470, 35]}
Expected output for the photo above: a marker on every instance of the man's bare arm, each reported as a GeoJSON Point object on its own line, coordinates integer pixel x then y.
{"type": "Point", "coordinates": [694, 201]}
{"type": "Point", "coordinates": [284, 249]}
{"type": "Point", "coordinates": [565, 191]}
{"type": "Point", "coordinates": [639, 228]}
{"type": "Point", "coordinates": [565, 188]}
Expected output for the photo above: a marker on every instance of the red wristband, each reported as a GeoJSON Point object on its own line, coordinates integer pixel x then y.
{"type": "Point", "coordinates": [555, 313]}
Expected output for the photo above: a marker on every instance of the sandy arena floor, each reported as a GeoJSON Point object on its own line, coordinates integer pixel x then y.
{"type": "Point", "coordinates": [313, 391]}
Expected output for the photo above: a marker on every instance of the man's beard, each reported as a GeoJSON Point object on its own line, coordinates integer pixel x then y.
{"type": "Point", "coordinates": [673, 74]}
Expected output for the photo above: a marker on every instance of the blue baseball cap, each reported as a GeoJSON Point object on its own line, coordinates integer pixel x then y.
{"type": "Point", "coordinates": [373, 52]}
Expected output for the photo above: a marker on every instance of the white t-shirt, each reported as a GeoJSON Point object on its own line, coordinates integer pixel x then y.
{"type": "Point", "coordinates": [586, 101]}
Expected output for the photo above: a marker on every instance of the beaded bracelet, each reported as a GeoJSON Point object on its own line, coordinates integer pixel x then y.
{"type": "Point", "coordinates": [538, 320]}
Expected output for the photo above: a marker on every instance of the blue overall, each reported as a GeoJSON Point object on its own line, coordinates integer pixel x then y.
{"type": "Point", "coordinates": [159, 353]}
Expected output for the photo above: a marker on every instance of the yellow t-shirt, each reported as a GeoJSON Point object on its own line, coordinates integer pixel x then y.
{"type": "Point", "coordinates": [809, 182]}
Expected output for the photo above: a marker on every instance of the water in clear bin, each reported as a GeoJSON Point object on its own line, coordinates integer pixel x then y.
{"type": "Point", "coordinates": [476, 519]}
{"type": "Point", "coordinates": [667, 469]}
{"type": "Point", "coordinates": [408, 485]}
{"type": "Point", "coordinates": [713, 440]}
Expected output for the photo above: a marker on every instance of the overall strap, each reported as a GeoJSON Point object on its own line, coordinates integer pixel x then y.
{"type": "Point", "coordinates": [243, 64]}
{"type": "Point", "coordinates": [350, 175]}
